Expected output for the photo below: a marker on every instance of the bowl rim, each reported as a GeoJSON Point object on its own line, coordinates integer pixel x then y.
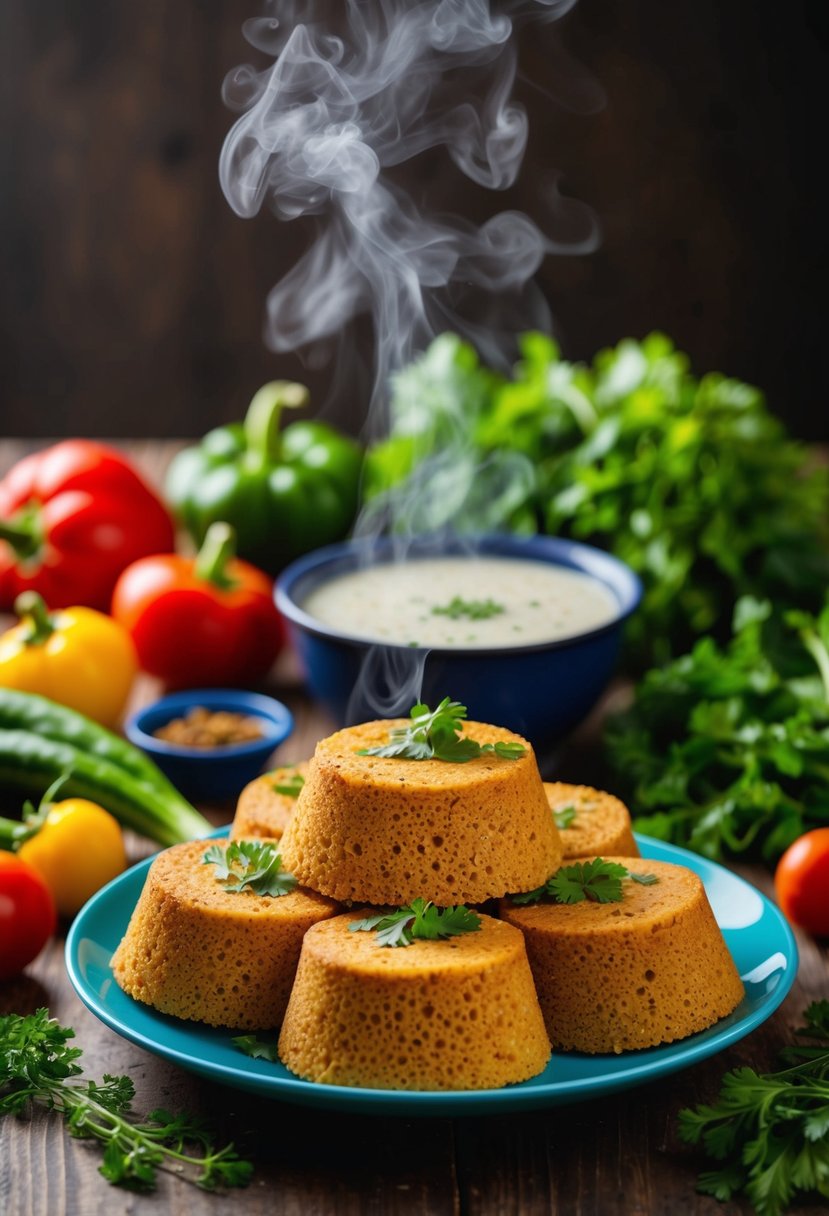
{"type": "Point", "coordinates": [615, 574]}
{"type": "Point", "coordinates": [270, 710]}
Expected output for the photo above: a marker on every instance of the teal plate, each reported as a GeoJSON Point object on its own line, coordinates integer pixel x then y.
{"type": "Point", "coordinates": [758, 937]}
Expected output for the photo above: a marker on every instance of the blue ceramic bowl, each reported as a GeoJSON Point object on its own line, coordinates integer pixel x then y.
{"type": "Point", "coordinates": [211, 774]}
{"type": "Point", "coordinates": [541, 691]}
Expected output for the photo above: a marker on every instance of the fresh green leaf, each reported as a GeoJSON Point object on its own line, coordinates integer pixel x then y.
{"type": "Point", "coordinates": [770, 1131]}
{"type": "Point", "coordinates": [290, 785]}
{"type": "Point", "coordinates": [418, 920]}
{"type": "Point", "coordinates": [596, 880]}
{"type": "Point", "coordinates": [437, 734]}
{"type": "Point", "coordinates": [37, 1067]}
{"type": "Point", "coordinates": [251, 864]}
{"type": "Point", "coordinates": [726, 749]}
{"type": "Point", "coordinates": [564, 816]}
{"type": "Point", "coordinates": [254, 1047]}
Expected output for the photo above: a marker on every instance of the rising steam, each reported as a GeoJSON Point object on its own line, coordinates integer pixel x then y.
{"type": "Point", "coordinates": [357, 87]}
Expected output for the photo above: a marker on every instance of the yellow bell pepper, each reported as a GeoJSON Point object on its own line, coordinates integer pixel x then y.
{"type": "Point", "coordinates": [77, 848]}
{"type": "Point", "coordinates": [77, 656]}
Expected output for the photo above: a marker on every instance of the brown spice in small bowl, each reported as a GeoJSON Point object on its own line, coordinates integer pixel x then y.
{"type": "Point", "coordinates": [206, 728]}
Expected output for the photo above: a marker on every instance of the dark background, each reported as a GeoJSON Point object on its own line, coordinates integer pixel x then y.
{"type": "Point", "coordinates": [131, 297]}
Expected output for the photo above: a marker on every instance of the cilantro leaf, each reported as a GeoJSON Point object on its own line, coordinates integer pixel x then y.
{"type": "Point", "coordinates": [250, 864]}
{"type": "Point", "coordinates": [564, 816]}
{"type": "Point", "coordinates": [418, 920]}
{"type": "Point", "coordinates": [290, 785]}
{"type": "Point", "coordinates": [37, 1067]}
{"type": "Point", "coordinates": [252, 1046]}
{"type": "Point", "coordinates": [597, 880]}
{"type": "Point", "coordinates": [437, 734]}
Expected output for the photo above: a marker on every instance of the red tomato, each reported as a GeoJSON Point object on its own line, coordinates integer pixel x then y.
{"type": "Point", "coordinates": [200, 621]}
{"type": "Point", "coordinates": [801, 882]}
{"type": "Point", "coordinates": [27, 914]}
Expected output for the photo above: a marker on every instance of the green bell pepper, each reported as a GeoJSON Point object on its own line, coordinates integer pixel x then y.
{"type": "Point", "coordinates": [285, 492]}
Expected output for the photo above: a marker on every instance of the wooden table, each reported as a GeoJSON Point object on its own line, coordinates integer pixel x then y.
{"type": "Point", "coordinates": [614, 1155]}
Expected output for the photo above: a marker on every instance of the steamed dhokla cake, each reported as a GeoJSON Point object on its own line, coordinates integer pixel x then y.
{"type": "Point", "coordinates": [199, 951]}
{"type": "Point", "coordinates": [600, 823]}
{"type": "Point", "coordinates": [383, 830]}
{"type": "Point", "coordinates": [455, 1014]}
{"type": "Point", "coordinates": [649, 969]}
{"type": "Point", "coordinates": [266, 804]}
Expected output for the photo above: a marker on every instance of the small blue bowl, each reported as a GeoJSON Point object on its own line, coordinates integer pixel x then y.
{"type": "Point", "coordinates": [211, 774]}
{"type": "Point", "coordinates": [542, 691]}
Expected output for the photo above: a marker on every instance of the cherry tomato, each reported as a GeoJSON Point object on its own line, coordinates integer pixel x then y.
{"type": "Point", "coordinates": [27, 914]}
{"type": "Point", "coordinates": [801, 882]}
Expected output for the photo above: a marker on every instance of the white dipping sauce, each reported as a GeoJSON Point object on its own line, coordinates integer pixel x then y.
{"type": "Point", "coordinates": [493, 602]}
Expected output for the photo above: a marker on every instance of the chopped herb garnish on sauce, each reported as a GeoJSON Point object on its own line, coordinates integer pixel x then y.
{"type": "Point", "coordinates": [437, 734]}
{"type": "Point", "coordinates": [419, 919]}
{"type": "Point", "coordinates": [471, 610]}
{"type": "Point", "coordinates": [598, 881]}
{"type": "Point", "coordinates": [250, 863]}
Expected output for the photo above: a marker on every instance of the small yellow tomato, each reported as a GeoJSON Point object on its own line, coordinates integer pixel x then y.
{"type": "Point", "coordinates": [78, 849]}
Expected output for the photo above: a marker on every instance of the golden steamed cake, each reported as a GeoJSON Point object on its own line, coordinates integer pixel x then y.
{"type": "Point", "coordinates": [455, 1014]}
{"type": "Point", "coordinates": [601, 824]}
{"type": "Point", "coordinates": [382, 830]}
{"type": "Point", "coordinates": [261, 810]}
{"type": "Point", "coordinates": [200, 952]}
{"type": "Point", "coordinates": [650, 969]}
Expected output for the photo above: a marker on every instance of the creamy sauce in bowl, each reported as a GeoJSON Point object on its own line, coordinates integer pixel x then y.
{"type": "Point", "coordinates": [469, 603]}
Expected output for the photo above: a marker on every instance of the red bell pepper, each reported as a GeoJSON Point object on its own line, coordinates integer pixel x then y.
{"type": "Point", "coordinates": [72, 517]}
{"type": "Point", "coordinates": [204, 620]}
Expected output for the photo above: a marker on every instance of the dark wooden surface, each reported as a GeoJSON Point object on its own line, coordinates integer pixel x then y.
{"type": "Point", "coordinates": [613, 1156]}
{"type": "Point", "coordinates": [132, 298]}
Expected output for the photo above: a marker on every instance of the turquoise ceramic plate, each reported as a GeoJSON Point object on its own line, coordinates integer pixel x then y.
{"type": "Point", "coordinates": [757, 936]}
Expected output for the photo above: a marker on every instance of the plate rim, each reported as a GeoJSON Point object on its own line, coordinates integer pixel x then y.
{"type": "Point", "coordinates": [529, 1094]}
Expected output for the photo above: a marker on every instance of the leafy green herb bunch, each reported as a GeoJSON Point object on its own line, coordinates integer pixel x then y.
{"type": "Point", "coordinates": [692, 481]}
{"type": "Point", "coordinates": [726, 749]}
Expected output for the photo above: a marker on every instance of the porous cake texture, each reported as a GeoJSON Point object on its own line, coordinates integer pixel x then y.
{"type": "Point", "coordinates": [601, 825]}
{"type": "Point", "coordinates": [197, 951]}
{"type": "Point", "coordinates": [261, 810]}
{"type": "Point", "coordinates": [385, 830]}
{"type": "Point", "coordinates": [650, 969]}
{"type": "Point", "coordinates": [455, 1014]}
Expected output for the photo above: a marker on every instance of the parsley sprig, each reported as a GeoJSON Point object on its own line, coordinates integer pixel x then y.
{"type": "Point", "coordinates": [471, 610]}
{"type": "Point", "coordinates": [419, 919]}
{"type": "Point", "coordinates": [254, 864]}
{"type": "Point", "coordinates": [35, 1066]}
{"type": "Point", "coordinates": [437, 734]}
{"type": "Point", "coordinates": [598, 881]}
{"type": "Point", "coordinates": [770, 1131]}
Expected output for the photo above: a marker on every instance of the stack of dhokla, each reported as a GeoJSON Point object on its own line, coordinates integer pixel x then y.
{"type": "Point", "coordinates": [376, 832]}
{"type": "Point", "coordinates": [455, 1014]}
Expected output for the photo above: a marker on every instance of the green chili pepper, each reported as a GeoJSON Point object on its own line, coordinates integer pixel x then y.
{"type": "Point", "coordinates": [285, 492]}
{"type": "Point", "coordinates": [40, 741]}
{"type": "Point", "coordinates": [29, 712]}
